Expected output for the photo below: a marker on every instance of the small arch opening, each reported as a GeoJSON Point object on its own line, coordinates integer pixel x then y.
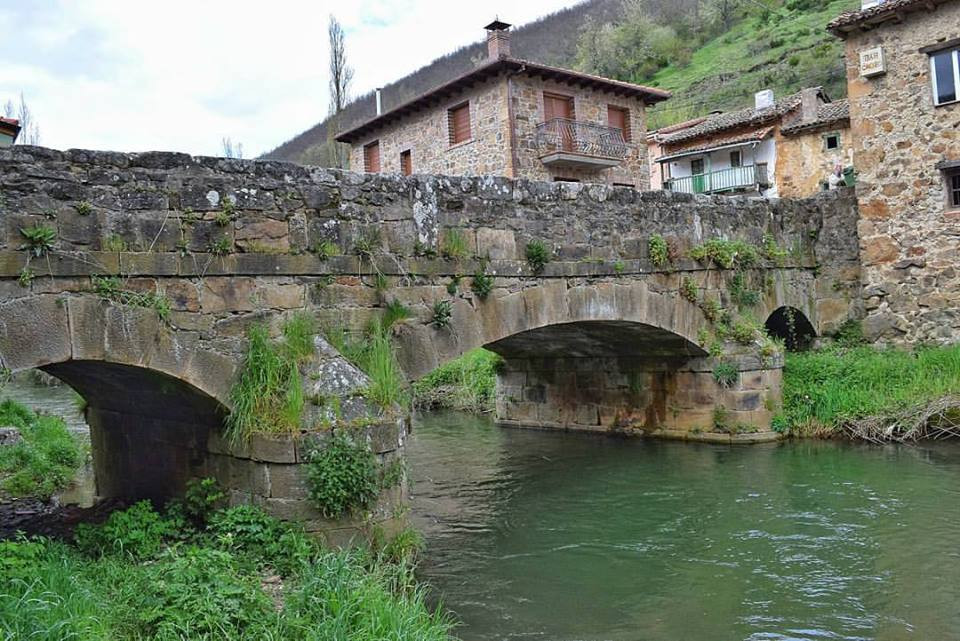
{"type": "Point", "coordinates": [791, 326]}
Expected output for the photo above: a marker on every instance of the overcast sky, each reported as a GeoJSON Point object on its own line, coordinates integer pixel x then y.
{"type": "Point", "coordinates": [132, 75]}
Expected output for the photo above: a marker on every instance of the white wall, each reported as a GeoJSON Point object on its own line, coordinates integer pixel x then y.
{"type": "Point", "coordinates": [752, 154]}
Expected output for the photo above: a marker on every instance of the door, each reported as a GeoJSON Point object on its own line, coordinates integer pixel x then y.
{"type": "Point", "coordinates": [699, 180]}
{"type": "Point", "coordinates": [560, 108]}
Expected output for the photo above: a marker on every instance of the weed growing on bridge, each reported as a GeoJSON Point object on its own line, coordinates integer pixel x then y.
{"type": "Point", "coordinates": [659, 251]}
{"type": "Point", "coordinates": [726, 374]}
{"type": "Point", "coordinates": [111, 288]}
{"type": "Point", "coordinates": [223, 217]}
{"type": "Point", "coordinates": [268, 396]}
{"type": "Point", "coordinates": [618, 267]}
{"type": "Point", "coordinates": [372, 352]}
{"type": "Point", "coordinates": [453, 287]}
{"type": "Point", "coordinates": [773, 251]}
{"type": "Point", "coordinates": [537, 255]}
{"type": "Point", "coordinates": [40, 239]}
{"type": "Point", "coordinates": [115, 243]}
{"type": "Point", "coordinates": [395, 312]}
{"type": "Point", "coordinates": [26, 277]}
{"type": "Point", "coordinates": [741, 295]}
{"type": "Point", "coordinates": [454, 245]}
{"type": "Point", "coordinates": [442, 314]}
{"type": "Point", "coordinates": [326, 249]}
{"type": "Point", "coordinates": [83, 208]}
{"type": "Point", "coordinates": [221, 246]}
{"type": "Point", "coordinates": [726, 254]}
{"type": "Point", "coordinates": [46, 458]}
{"type": "Point", "coordinates": [367, 242]}
{"type": "Point", "coordinates": [482, 284]}
{"type": "Point", "coordinates": [688, 289]}
{"type": "Point", "coordinates": [342, 476]}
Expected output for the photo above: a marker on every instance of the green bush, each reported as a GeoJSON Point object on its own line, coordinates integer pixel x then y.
{"type": "Point", "coordinates": [726, 254]}
{"type": "Point", "coordinates": [139, 532]}
{"type": "Point", "coordinates": [537, 255]}
{"type": "Point", "coordinates": [46, 458]}
{"type": "Point", "coordinates": [261, 540]}
{"type": "Point", "coordinates": [659, 251]}
{"type": "Point", "coordinates": [342, 475]}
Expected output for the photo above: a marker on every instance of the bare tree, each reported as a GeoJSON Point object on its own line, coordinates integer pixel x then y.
{"type": "Point", "coordinates": [341, 76]}
{"type": "Point", "coordinates": [231, 150]}
{"type": "Point", "coordinates": [29, 127]}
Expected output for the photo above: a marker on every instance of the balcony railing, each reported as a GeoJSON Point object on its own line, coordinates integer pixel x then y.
{"type": "Point", "coordinates": [566, 141]}
{"type": "Point", "coordinates": [736, 178]}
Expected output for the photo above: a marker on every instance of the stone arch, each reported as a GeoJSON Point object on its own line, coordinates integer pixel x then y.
{"type": "Point", "coordinates": [154, 395]}
{"type": "Point", "coordinates": [792, 326]}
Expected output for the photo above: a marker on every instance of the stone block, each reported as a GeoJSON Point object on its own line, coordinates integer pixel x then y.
{"type": "Point", "coordinates": [288, 482]}
{"type": "Point", "coordinates": [34, 332]}
{"type": "Point", "coordinates": [497, 244]}
{"type": "Point", "coordinates": [273, 449]}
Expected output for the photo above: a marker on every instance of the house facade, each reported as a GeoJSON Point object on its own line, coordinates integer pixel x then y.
{"type": "Point", "coordinates": [777, 148]}
{"type": "Point", "coordinates": [9, 129]}
{"type": "Point", "coordinates": [903, 78]}
{"type": "Point", "coordinates": [514, 118]}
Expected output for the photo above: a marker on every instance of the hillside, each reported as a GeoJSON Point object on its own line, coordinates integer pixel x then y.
{"type": "Point", "coordinates": [712, 54]}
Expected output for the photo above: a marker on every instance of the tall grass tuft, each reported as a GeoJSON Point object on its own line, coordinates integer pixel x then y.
{"type": "Point", "coordinates": [268, 395]}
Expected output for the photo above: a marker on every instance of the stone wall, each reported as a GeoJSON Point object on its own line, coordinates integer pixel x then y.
{"type": "Point", "coordinates": [804, 162]}
{"type": "Point", "coordinates": [909, 237]}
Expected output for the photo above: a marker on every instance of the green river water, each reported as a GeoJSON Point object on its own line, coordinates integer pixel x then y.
{"type": "Point", "coordinates": [553, 536]}
{"type": "Point", "coordinates": [561, 537]}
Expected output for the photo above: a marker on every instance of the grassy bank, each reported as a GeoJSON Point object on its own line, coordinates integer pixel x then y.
{"type": "Point", "coordinates": [230, 575]}
{"type": "Point", "coordinates": [44, 460]}
{"type": "Point", "coordinates": [864, 391]}
{"type": "Point", "coordinates": [467, 384]}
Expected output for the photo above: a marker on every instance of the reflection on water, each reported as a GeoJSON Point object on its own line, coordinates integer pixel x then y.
{"type": "Point", "coordinates": [540, 535]}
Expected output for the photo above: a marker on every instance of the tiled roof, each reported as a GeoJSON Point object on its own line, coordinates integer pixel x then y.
{"type": "Point", "coordinates": [827, 114]}
{"type": "Point", "coordinates": [719, 141]}
{"type": "Point", "coordinates": [650, 95]}
{"type": "Point", "coordinates": [734, 119]}
{"type": "Point", "coordinates": [850, 20]}
{"type": "Point", "coordinates": [663, 131]}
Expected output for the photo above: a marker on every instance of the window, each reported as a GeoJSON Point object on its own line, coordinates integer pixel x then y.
{"type": "Point", "coordinates": [459, 122]}
{"type": "Point", "coordinates": [561, 179]}
{"type": "Point", "coordinates": [831, 142]}
{"type": "Point", "coordinates": [736, 158]}
{"type": "Point", "coordinates": [945, 71]}
{"type": "Point", "coordinates": [406, 163]}
{"type": "Point", "coordinates": [952, 177]}
{"type": "Point", "coordinates": [619, 118]}
{"type": "Point", "coordinates": [557, 106]}
{"type": "Point", "coordinates": [371, 157]}
{"type": "Point", "coordinates": [696, 167]}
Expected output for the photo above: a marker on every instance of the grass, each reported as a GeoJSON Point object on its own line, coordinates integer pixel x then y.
{"type": "Point", "coordinates": [268, 395]}
{"type": "Point", "coordinates": [454, 245]}
{"type": "Point", "coordinates": [208, 583]}
{"type": "Point", "coordinates": [372, 352]}
{"type": "Point", "coordinates": [466, 384]}
{"type": "Point", "coordinates": [46, 458]}
{"type": "Point", "coordinates": [111, 288]}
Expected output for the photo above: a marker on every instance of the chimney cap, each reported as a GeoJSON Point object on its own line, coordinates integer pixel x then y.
{"type": "Point", "coordinates": [497, 25]}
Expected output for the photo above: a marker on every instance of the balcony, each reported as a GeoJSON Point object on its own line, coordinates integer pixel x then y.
{"type": "Point", "coordinates": [748, 178]}
{"type": "Point", "coordinates": [563, 142]}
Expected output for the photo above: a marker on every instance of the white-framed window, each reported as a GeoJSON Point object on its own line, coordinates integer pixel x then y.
{"type": "Point", "coordinates": [952, 179]}
{"type": "Point", "coordinates": [945, 73]}
{"type": "Point", "coordinates": [831, 141]}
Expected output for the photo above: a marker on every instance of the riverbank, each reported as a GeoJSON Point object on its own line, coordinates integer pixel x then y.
{"type": "Point", "coordinates": [234, 574]}
{"type": "Point", "coordinates": [843, 390]}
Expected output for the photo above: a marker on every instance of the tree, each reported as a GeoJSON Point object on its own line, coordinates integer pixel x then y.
{"type": "Point", "coordinates": [341, 76]}
{"type": "Point", "coordinates": [231, 150]}
{"type": "Point", "coordinates": [29, 127]}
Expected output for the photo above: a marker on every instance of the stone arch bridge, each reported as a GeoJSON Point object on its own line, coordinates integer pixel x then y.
{"type": "Point", "coordinates": [601, 338]}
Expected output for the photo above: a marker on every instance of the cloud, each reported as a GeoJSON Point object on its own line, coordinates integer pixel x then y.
{"type": "Point", "coordinates": [179, 75]}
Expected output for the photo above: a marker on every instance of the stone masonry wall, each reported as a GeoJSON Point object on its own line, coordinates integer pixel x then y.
{"type": "Point", "coordinates": [804, 162]}
{"type": "Point", "coordinates": [910, 239]}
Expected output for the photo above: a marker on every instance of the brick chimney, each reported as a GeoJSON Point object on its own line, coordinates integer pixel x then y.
{"type": "Point", "coordinates": [498, 40]}
{"type": "Point", "coordinates": [809, 104]}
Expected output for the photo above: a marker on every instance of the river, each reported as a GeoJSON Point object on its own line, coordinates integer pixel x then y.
{"type": "Point", "coordinates": [563, 537]}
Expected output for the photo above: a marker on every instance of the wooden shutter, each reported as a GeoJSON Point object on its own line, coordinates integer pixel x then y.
{"type": "Point", "coordinates": [371, 157]}
{"type": "Point", "coordinates": [406, 163]}
{"type": "Point", "coordinates": [555, 106]}
{"type": "Point", "coordinates": [619, 118]}
{"type": "Point", "coordinates": [459, 122]}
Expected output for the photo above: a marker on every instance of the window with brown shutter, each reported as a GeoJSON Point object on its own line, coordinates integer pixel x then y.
{"type": "Point", "coordinates": [459, 122]}
{"type": "Point", "coordinates": [557, 106]}
{"type": "Point", "coordinates": [371, 157]}
{"type": "Point", "coordinates": [406, 163]}
{"type": "Point", "coordinates": [619, 118]}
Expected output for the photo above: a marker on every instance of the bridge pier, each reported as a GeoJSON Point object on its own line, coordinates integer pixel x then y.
{"type": "Point", "coordinates": [674, 399]}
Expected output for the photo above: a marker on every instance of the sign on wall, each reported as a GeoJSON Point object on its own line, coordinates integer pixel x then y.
{"type": "Point", "coordinates": [872, 62]}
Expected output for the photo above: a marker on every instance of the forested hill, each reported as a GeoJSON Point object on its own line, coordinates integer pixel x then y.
{"type": "Point", "coordinates": [712, 54]}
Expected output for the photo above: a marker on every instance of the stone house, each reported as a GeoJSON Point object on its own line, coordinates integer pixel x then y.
{"type": "Point", "coordinates": [903, 79]}
{"type": "Point", "coordinates": [777, 148]}
{"type": "Point", "coordinates": [9, 130]}
{"type": "Point", "coordinates": [514, 118]}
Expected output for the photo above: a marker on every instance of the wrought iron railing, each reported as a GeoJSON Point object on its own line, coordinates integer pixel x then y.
{"type": "Point", "coordinates": [578, 137]}
{"type": "Point", "coordinates": [748, 177]}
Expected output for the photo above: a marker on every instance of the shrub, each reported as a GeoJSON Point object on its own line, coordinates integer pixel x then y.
{"type": "Point", "coordinates": [46, 458]}
{"type": "Point", "coordinates": [537, 255]}
{"type": "Point", "coordinates": [744, 331]}
{"type": "Point", "coordinates": [442, 313]}
{"type": "Point", "coordinates": [342, 475]}
{"type": "Point", "coordinates": [659, 251]}
{"type": "Point", "coordinates": [139, 531]}
{"type": "Point", "coordinates": [726, 254]}
{"type": "Point", "coordinates": [40, 239]}
{"type": "Point", "coordinates": [481, 285]}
